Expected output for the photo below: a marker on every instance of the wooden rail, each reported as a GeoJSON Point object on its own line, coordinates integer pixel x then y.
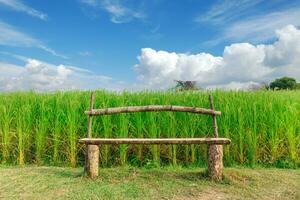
{"type": "Point", "coordinates": [149, 108]}
{"type": "Point", "coordinates": [98, 141]}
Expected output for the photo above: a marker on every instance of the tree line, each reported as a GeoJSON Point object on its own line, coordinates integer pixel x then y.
{"type": "Point", "coordinates": [283, 83]}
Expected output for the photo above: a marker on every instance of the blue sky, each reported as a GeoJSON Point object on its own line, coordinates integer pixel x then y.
{"type": "Point", "coordinates": [106, 37]}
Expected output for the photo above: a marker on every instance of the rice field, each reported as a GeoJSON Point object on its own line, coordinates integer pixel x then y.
{"type": "Point", "coordinates": [44, 128]}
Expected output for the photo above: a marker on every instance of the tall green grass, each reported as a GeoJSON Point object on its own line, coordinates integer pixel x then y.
{"type": "Point", "coordinates": [6, 135]}
{"type": "Point", "coordinates": [44, 128]}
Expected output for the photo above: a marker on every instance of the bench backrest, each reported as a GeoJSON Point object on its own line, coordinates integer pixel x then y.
{"type": "Point", "coordinates": [129, 109]}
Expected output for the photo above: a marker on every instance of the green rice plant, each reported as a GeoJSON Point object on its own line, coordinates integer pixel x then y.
{"type": "Point", "coordinates": [273, 136]}
{"type": "Point", "coordinates": [58, 116]}
{"type": "Point", "coordinates": [71, 130]}
{"type": "Point", "coordinates": [44, 128]}
{"type": "Point", "coordinates": [107, 133]}
{"type": "Point", "coordinates": [23, 129]}
{"type": "Point", "coordinates": [172, 133]}
{"type": "Point", "coordinates": [123, 128]}
{"type": "Point", "coordinates": [168, 125]}
{"type": "Point", "coordinates": [152, 132]}
{"type": "Point", "coordinates": [241, 135]}
{"type": "Point", "coordinates": [225, 128]}
{"type": "Point", "coordinates": [20, 134]}
{"type": "Point", "coordinates": [6, 134]}
{"type": "Point", "coordinates": [138, 133]}
{"type": "Point", "coordinates": [291, 125]}
{"type": "Point", "coordinates": [252, 138]}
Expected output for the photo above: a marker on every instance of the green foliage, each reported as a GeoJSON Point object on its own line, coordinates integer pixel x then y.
{"type": "Point", "coordinates": [185, 85]}
{"type": "Point", "coordinates": [44, 128]}
{"type": "Point", "coordinates": [284, 83]}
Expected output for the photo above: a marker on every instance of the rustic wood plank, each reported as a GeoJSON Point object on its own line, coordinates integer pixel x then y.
{"type": "Point", "coordinates": [129, 109]}
{"type": "Point", "coordinates": [97, 141]}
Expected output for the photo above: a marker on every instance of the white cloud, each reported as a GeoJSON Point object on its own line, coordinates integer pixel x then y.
{"type": "Point", "coordinates": [10, 36]}
{"type": "Point", "coordinates": [261, 28]}
{"type": "Point", "coordinates": [41, 76]}
{"type": "Point", "coordinates": [286, 50]}
{"type": "Point", "coordinates": [238, 21]}
{"type": "Point", "coordinates": [241, 64]}
{"type": "Point", "coordinates": [236, 86]}
{"type": "Point", "coordinates": [119, 13]}
{"type": "Point", "coordinates": [51, 51]}
{"type": "Point", "coordinates": [226, 11]}
{"type": "Point", "coordinates": [248, 20]}
{"type": "Point", "coordinates": [159, 68]}
{"type": "Point", "coordinates": [85, 53]}
{"type": "Point", "coordinates": [21, 7]}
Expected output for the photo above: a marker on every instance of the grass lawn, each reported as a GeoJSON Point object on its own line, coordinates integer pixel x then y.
{"type": "Point", "coordinates": [32, 182]}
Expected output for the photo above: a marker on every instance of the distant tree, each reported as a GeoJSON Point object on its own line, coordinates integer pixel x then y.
{"type": "Point", "coordinates": [258, 86]}
{"type": "Point", "coordinates": [185, 85]}
{"type": "Point", "coordinates": [283, 84]}
{"type": "Point", "coordinates": [264, 86]}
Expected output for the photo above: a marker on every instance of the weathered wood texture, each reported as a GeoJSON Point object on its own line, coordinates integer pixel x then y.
{"type": "Point", "coordinates": [89, 131]}
{"type": "Point", "coordinates": [129, 109]}
{"type": "Point", "coordinates": [90, 119]}
{"type": "Point", "coordinates": [93, 161]}
{"type": "Point", "coordinates": [215, 162]}
{"type": "Point", "coordinates": [211, 101]}
{"type": "Point", "coordinates": [97, 141]}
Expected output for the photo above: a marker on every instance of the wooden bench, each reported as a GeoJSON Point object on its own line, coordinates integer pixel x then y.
{"type": "Point", "coordinates": [215, 145]}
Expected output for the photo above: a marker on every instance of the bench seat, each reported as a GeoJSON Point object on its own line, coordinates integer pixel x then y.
{"type": "Point", "coordinates": [98, 141]}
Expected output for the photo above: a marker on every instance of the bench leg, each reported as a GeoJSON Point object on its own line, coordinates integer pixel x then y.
{"type": "Point", "coordinates": [92, 164]}
{"type": "Point", "coordinates": [215, 162]}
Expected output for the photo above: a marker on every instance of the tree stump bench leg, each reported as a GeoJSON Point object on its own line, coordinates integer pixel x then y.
{"type": "Point", "coordinates": [215, 162]}
{"type": "Point", "coordinates": [92, 164]}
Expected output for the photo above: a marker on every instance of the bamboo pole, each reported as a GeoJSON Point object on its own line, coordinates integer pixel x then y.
{"type": "Point", "coordinates": [215, 151]}
{"type": "Point", "coordinates": [214, 117]}
{"type": "Point", "coordinates": [97, 141]}
{"type": "Point", "coordinates": [87, 167]}
{"type": "Point", "coordinates": [90, 117]}
{"type": "Point", "coordinates": [129, 109]}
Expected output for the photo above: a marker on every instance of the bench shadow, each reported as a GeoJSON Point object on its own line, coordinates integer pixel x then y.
{"type": "Point", "coordinates": [158, 174]}
{"type": "Point", "coordinates": [202, 175]}
{"type": "Point", "coordinates": [187, 176]}
{"type": "Point", "coordinates": [62, 172]}
{"type": "Point", "coordinates": [70, 174]}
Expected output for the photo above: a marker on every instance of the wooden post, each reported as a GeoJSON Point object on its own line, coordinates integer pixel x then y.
{"type": "Point", "coordinates": [91, 149]}
{"type": "Point", "coordinates": [90, 118]}
{"type": "Point", "coordinates": [215, 162]}
{"type": "Point", "coordinates": [211, 101]}
{"type": "Point", "coordinates": [93, 161]}
{"type": "Point", "coordinates": [215, 152]}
